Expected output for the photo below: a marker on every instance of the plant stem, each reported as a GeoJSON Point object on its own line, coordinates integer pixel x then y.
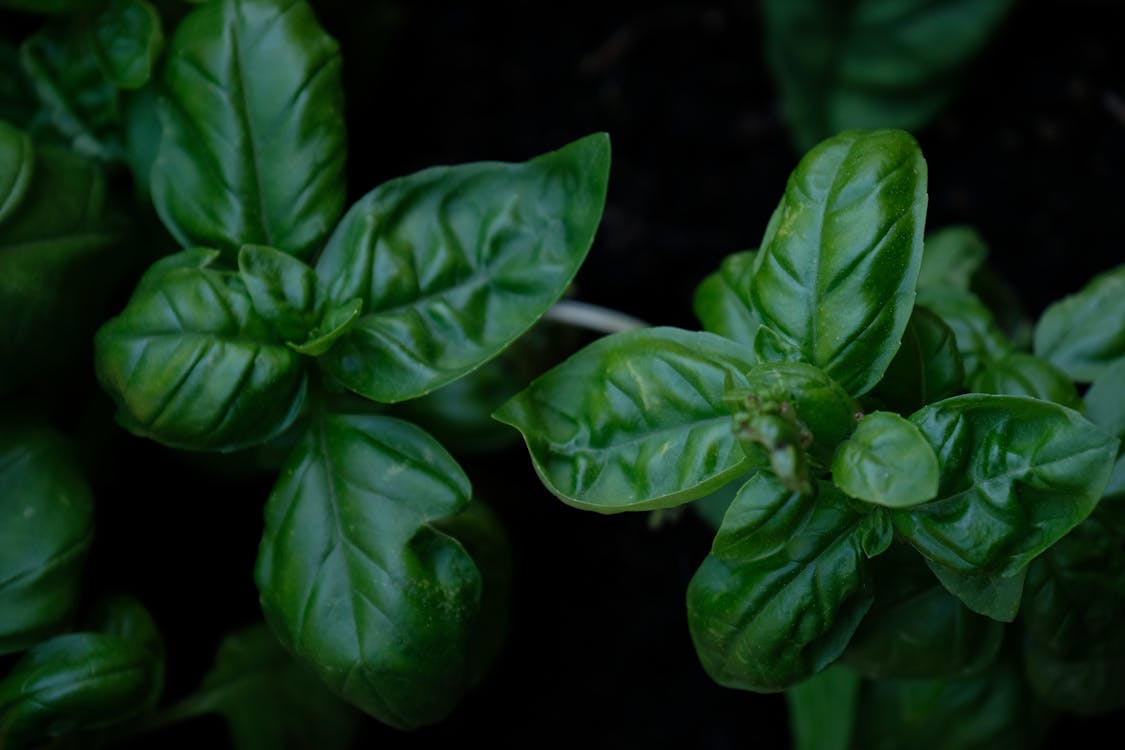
{"type": "Point", "coordinates": [593, 317]}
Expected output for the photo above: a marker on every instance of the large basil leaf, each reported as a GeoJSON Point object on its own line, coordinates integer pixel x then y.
{"type": "Point", "coordinates": [838, 264]}
{"type": "Point", "coordinates": [822, 710]}
{"type": "Point", "coordinates": [357, 578]}
{"type": "Point", "coordinates": [84, 681]}
{"type": "Point", "coordinates": [61, 251]}
{"type": "Point", "coordinates": [254, 141]}
{"type": "Point", "coordinates": [979, 340]}
{"type": "Point", "coordinates": [916, 629]}
{"type": "Point", "coordinates": [871, 63]}
{"type": "Point", "coordinates": [191, 364]}
{"type": "Point", "coordinates": [1016, 475]}
{"type": "Point", "coordinates": [952, 257]}
{"type": "Point", "coordinates": [1074, 612]}
{"type": "Point", "coordinates": [989, 711]}
{"type": "Point", "coordinates": [722, 300]}
{"type": "Point", "coordinates": [1023, 374]}
{"type": "Point", "coordinates": [453, 264]}
{"type": "Point", "coordinates": [886, 461]}
{"type": "Point", "coordinates": [780, 596]}
{"type": "Point", "coordinates": [926, 368]}
{"type": "Point", "coordinates": [17, 160]}
{"type": "Point", "coordinates": [269, 700]}
{"type": "Point", "coordinates": [46, 526]}
{"type": "Point", "coordinates": [991, 596]}
{"type": "Point", "coordinates": [635, 421]}
{"type": "Point", "coordinates": [1083, 334]}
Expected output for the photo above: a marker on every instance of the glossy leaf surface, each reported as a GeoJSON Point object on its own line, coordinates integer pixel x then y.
{"type": "Point", "coordinates": [83, 681]}
{"type": "Point", "coordinates": [993, 596]}
{"type": "Point", "coordinates": [1083, 334]}
{"type": "Point", "coordinates": [254, 144]}
{"type": "Point", "coordinates": [886, 461]}
{"type": "Point", "coordinates": [1023, 374]}
{"type": "Point", "coordinates": [17, 162]}
{"type": "Point", "coordinates": [722, 300]}
{"type": "Point", "coordinates": [453, 264]}
{"type": "Point", "coordinates": [46, 526]}
{"type": "Point", "coordinates": [871, 63]}
{"type": "Point", "coordinates": [285, 291]}
{"type": "Point", "coordinates": [838, 265]}
{"type": "Point", "coordinates": [191, 364]}
{"type": "Point", "coordinates": [269, 700]}
{"type": "Point", "coordinates": [783, 592]}
{"type": "Point", "coordinates": [926, 368]}
{"type": "Point", "coordinates": [356, 577]}
{"type": "Point", "coordinates": [635, 421]}
{"type": "Point", "coordinates": [1016, 475]}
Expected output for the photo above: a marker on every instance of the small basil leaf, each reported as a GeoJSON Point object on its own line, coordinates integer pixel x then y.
{"type": "Point", "coordinates": [926, 368]}
{"type": "Point", "coordinates": [269, 700]}
{"type": "Point", "coordinates": [337, 320]}
{"type": "Point", "coordinates": [763, 516]}
{"type": "Point", "coordinates": [916, 629]}
{"type": "Point", "coordinates": [836, 271]}
{"type": "Point", "coordinates": [453, 264]}
{"type": "Point", "coordinates": [722, 300]}
{"type": "Point", "coordinates": [81, 681]}
{"type": "Point", "coordinates": [876, 532]}
{"type": "Point", "coordinates": [769, 346]}
{"type": "Point", "coordinates": [870, 63]}
{"type": "Point", "coordinates": [1023, 374]}
{"type": "Point", "coordinates": [1016, 475]}
{"type": "Point", "coordinates": [127, 40]}
{"type": "Point", "coordinates": [285, 291]}
{"type": "Point", "coordinates": [46, 526]}
{"type": "Point", "coordinates": [886, 461]}
{"type": "Point", "coordinates": [191, 364]}
{"type": "Point", "coordinates": [784, 607]}
{"type": "Point", "coordinates": [17, 162]}
{"type": "Point", "coordinates": [356, 577]}
{"type": "Point", "coordinates": [990, 711]}
{"type": "Point", "coordinates": [951, 258]}
{"type": "Point", "coordinates": [192, 258]}
{"type": "Point", "coordinates": [1084, 333]}
{"type": "Point", "coordinates": [635, 421]}
{"type": "Point", "coordinates": [979, 340]}
{"type": "Point", "coordinates": [993, 596]}
{"type": "Point", "coordinates": [253, 145]}
{"type": "Point", "coordinates": [1105, 400]}
{"type": "Point", "coordinates": [822, 710]}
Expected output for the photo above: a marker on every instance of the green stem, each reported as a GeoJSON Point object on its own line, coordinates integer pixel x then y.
{"type": "Point", "coordinates": [593, 317]}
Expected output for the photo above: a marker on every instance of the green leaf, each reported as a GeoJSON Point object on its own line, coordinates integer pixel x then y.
{"type": "Point", "coordinates": [285, 291]}
{"type": "Point", "coordinates": [254, 143]}
{"type": "Point", "coordinates": [191, 364]}
{"type": "Point", "coordinates": [335, 322]}
{"type": "Point", "coordinates": [1023, 374]}
{"type": "Point", "coordinates": [886, 461]}
{"type": "Point", "coordinates": [453, 264]}
{"type": "Point", "coordinates": [822, 710]}
{"type": "Point", "coordinates": [979, 341]}
{"type": "Point", "coordinates": [722, 300]}
{"type": "Point", "coordinates": [1016, 475]}
{"type": "Point", "coordinates": [635, 421]}
{"type": "Point", "coordinates": [871, 63]}
{"type": "Point", "coordinates": [989, 711]}
{"type": "Point", "coordinates": [127, 40]}
{"type": "Point", "coordinates": [926, 368]}
{"type": "Point", "coordinates": [17, 163]}
{"type": "Point", "coordinates": [781, 604]}
{"type": "Point", "coordinates": [1083, 334]}
{"type": "Point", "coordinates": [769, 346]}
{"type": "Point", "coordinates": [1074, 613]}
{"type": "Point", "coordinates": [83, 681]}
{"type": "Point", "coordinates": [142, 139]}
{"type": "Point", "coordinates": [269, 700]}
{"type": "Point", "coordinates": [1105, 400]}
{"type": "Point", "coordinates": [356, 576]}
{"type": "Point", "coordinates": [989, 595]}
{"type": "Point", "coordinates": [952, 257]}
{"type": "Point", "coordinates": [838, 265]}
{"type": "Point", "coordinates": [61, 253]}
{"type": "Point", "coordinates": [916, 629]}
{"type": "Point", "coordinates": [46, 526]}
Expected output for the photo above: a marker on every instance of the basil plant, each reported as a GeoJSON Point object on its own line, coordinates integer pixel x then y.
{"type": "Point", "coordinates": [287, 320]}
{"type": "Point", "coordinates": [904, 479]}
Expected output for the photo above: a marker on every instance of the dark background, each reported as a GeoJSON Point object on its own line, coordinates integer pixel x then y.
{"type": "Point", "coordinates": [1030, 152]}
